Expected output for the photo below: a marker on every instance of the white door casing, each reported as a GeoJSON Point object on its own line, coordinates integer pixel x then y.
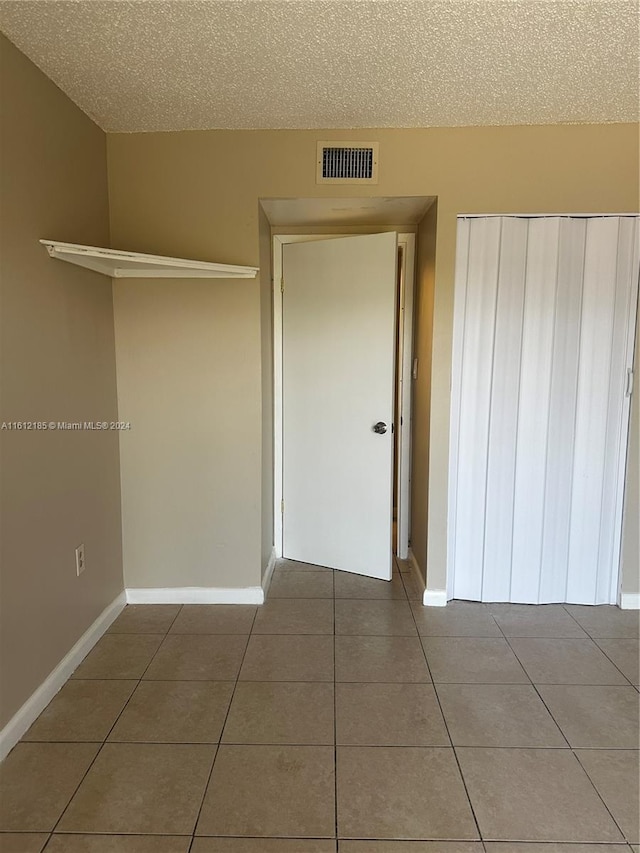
{"type": "Point", "coordinates": [544, 331]}
{"type": "Point", "coordinates": [338, 333]}
{"type": "Point", "coordinates": [403, 428]}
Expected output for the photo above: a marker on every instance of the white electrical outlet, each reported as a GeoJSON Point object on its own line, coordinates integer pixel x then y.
{"type": "Point", "coordinates": [80, 559]}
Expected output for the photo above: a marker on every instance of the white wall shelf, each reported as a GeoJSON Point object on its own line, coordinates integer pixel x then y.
{"type": "Point", "coordinates": [118, 264]}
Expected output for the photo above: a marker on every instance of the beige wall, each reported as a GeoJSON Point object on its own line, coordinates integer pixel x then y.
{"type": "Point", "coordinates": [421, 388]}
{"type": "Point", "coordinates": [195, 194]}
{"type": "Point", "coordinates": [188, 357]}
{"type": "Point", "coordinates": [57, 361]}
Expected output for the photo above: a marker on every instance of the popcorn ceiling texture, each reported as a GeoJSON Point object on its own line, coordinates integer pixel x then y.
{"type": "Point", "coordinates": [149, 66]}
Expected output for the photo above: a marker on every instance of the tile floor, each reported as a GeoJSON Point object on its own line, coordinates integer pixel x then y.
{"type": "Point", "coordinates": [340, 717]}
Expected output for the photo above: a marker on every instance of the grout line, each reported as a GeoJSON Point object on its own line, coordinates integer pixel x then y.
{"type": "Point", "coordinates": [104, 740]}
{"type": "Point", "coordinates": [348, 746]}
{"type": "Point", "coordinates": [572, 749]}
{"type": "Point", "coordinates": [213, 763]}
{"type": "Point", "coordinates": [446, 725]}
{"type": "Point", "coordinates": [611, 660]}
{"type": "Point", "coordinates": [600, 797]}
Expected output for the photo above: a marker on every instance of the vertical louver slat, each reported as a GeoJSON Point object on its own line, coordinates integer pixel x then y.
{"type": "Point", "coordinates": [343, 163]}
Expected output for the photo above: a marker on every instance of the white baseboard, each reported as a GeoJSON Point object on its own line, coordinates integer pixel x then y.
{"type": "Point", "coordinates": [268, 573]}
{"type": "Point", "coordinates": [196, 595]}
{"type": "Point", "coordinates": [430, 597]}
{"type": "Point", "coordinates": [630, 601]}
{"type": "Point", "coordinates": [435, 598]}
{"type": "Point", "coordinates": [38, 701]}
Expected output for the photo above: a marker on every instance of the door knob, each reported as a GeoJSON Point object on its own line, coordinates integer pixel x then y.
{"type": "Point", "coordinates": [380, 428]}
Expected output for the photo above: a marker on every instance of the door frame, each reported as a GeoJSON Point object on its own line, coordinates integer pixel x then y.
{"type": "Point", "coordinates": [408, 243]}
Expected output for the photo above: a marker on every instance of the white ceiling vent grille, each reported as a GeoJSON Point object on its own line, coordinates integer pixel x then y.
{"type": "Point", "coordinates": [347, 163]}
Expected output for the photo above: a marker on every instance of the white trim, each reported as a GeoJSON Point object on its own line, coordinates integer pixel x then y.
{"type": "Point", "coordinates": [40, 698]}
{"type": "Point", "coordinates": [196, 595]}
{"type": "Point", "coordinates": [117, 264]}
{"type": "Point", "coordinates": [407, 283]}
{"type": "Point", "coordinates": [268, 573]}
{"type": "Point", "coordinates": [407, 239]}
{"type": "Point", "coordinates": [435, 598]}
{"type": "Point", "coordinates": [543, 215]}
{"type": "Point", "coordinates": [430, 597]}
{"type": "Point", "coordinates": [630, 601]}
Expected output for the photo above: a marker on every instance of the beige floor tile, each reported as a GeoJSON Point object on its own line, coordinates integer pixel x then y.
{"type": "Point", "coordinates": [198, 658]}
{"type": "Point", "coordinates": [625, 654]}
{"type": "Point", "coordinates": [375, 618]}
{"type": "Point", "coordinates": [472, 660]}
{"type": "Point", "coordinates": [457, 619]}
{"type": "Point", "coordinates": [497, 715]}
{"type": "Point", "coordinates": [288, 658]}
{"type": "Point", "coordinates": [399, 659]}
{"type": "Point", "coordinates": [22, 843]}
{"type": "Point", "coordinates": [263, 845]}
{"type": "Point", "coordinates": [301, 585]}
{"type": "Point", "coordinates": [389, 715]}
{"type": "Point", "coordinates": [214, 619]}
{"type": "Point", "coordinates": [175, 712]}
{"type": "Point", "coordinates": [615, 774]}
{"type": "Point", "coordinates": [595, 717]}
{"type": "Point", "coordinates": [410, 847]}
{"type": "Point", "coordinates": [295, 616]}
{"type": "Point", "coordinates": [295, 566]}
{"type": "Point", "coordinates": [412, 587]}
{"type": "Point", "coordinates": [606, 620]}
{"type": "Point", "coordinates": [61, 843]}
{"type": "Point", "coordinates": [540, 620]}
{"type": "Point", "coordinates": [270, 791]}
{"type": "Point", "coordinates": [145, 619]}
{"type": "Point", "coordinates": [119, 656]}
{"type": "Point", "coordinates": [141, 788]}
{"type": "Point", "coordinates": [82, 711]}
{"type": "Point", "coordinates": [281, 712]}
{"type": "Point", "coordinates": [534, 795]}
{"type": "Point", "coordinates": [401, 793]}
{"type": "Point", "coordinates": [37, 780]}
{"type": "Point", "coordinates": [524, 847]}
{"type": "Point", "coordinates": [357, 586]}
{"type": "Point", "coordinates": [565, 662]}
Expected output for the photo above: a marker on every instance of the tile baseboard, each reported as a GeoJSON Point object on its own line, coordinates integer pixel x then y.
{"type": "Point", "coordinates": [630, 601]}
{"type": "Point", "coordinates": [435, 598]}
{"type": "Point", "coordinates": [40, 698]}
{"type": "Point", "coordinates": [430, 597]}
{"type": "Point", "coordinates": [196, 595]}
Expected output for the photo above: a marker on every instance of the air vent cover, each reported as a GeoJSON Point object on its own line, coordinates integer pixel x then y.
{"type": "Point", "coordinates": [347, 163]}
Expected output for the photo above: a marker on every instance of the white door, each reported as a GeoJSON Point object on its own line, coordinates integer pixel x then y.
{"type": "Point", "coordinates": [338, 331]}
{"type": "Point", "coordinates": [543, 341]}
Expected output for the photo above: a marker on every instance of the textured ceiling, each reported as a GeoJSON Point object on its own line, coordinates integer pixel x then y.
{"type": "Point", "coordinates": [154, 65]}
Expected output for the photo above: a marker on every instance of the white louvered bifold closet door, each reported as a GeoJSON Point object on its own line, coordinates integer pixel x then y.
{"type": "Point", "coordinates": [543, 346]}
